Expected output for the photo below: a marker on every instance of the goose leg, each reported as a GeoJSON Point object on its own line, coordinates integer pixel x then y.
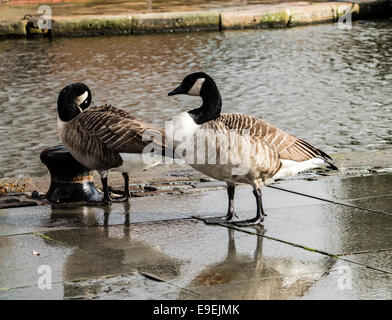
{"type": "Point", "coordinates": [259, 214]}
{"type": "Point", "coordinates": [230, 212]}
{"type": "Point", "coordinates": [126, 186]}
{"type": "Point", "coordinates": [107, 197]}
{"type": "Point", "coordinates": [127, 208]}
{"type": "Point", "coordinates": [126, 193]}
{"type": "Point", "coordinates": [104, 180]}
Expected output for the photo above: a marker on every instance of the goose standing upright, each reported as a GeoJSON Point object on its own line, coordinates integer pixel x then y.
{"type": "Point", "coordinates": [253, 150]}
{"type": "Point", "coordinates": [104, 137]}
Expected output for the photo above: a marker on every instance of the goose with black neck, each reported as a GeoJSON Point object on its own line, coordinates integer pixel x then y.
{"type": "Point", "coordinates": [106, 138]}
{"type": "Point", "coordinates": [240, 148]}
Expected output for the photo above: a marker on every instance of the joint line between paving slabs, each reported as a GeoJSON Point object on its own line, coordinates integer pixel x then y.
{"type": "Point", "coordinates": [363, 252]}
{"type": "Point", "coordinates": [332, 201]}
{"type": "Point", "coordinates": [300, 246]}
{"type": "Point", "coordinates": [154, 277]}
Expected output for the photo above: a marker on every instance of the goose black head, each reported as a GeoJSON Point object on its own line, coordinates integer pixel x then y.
{"type": "Point", "coordinates": [72, 100]}
{"type": "Point", "coordinates": [194, 84]}
{"type": "Point", "coordinates": [201, 84]}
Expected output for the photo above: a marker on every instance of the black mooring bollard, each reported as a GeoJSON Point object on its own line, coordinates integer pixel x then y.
{"type": "Point", "coordinates": [70, 180]}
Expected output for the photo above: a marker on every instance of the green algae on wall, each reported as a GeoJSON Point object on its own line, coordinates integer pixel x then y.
{"type": "Point", "coordinates": [275, 19]}
{"type": "Point", "coordinates": [302, 15]}
{"type": "Point", "coordinates": [254, 19]}
{"type": "Point", "coordinates": [175, 21]}
{"type": "Point", "coordinates": [92, 26]}
{"type": "Point", "coordinates": [12, 29]}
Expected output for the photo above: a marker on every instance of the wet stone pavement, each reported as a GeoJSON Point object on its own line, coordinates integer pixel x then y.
{"type": "Point", "coordinates": [336, 244]}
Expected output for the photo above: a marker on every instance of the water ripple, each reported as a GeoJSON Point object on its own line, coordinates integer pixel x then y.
{"type": "Point", "coordinates": [329, 86]}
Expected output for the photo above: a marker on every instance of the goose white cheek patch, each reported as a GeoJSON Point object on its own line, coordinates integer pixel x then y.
{"type": "Point", "coordinates": [79, 100]}
{"type": "Point", "coordinates": [195, 90]}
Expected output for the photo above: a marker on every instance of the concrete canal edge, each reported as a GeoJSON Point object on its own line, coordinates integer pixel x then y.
{"type": "Point", "coordinates": [255, 16]}
{"type": "Point", "coordinates": [175, 21]}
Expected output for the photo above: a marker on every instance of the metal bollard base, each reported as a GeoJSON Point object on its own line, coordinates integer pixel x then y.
{"type": "Point", "coordinates": [70, 180]}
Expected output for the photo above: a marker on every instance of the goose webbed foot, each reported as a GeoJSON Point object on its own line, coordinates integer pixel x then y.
{"type": "Point", "coordinates": [249, 222]}
{"type": "Point", "coordinates": [102, 203]}
{"type": "Point", "coordinates": [260, 214]}
{"type": "Point", "coordinates": [123, 198]}
{"type": "Point", "coordinates": [223, 219]}
{"type": "Point", "coordinates": [218, 220]}
{"type": "Point", "coordinates": [116, 191]}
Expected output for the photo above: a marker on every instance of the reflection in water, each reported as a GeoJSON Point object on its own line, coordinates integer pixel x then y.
{"type": "Point", "coordinates": [257, 277]}
{"type": "Point", "coordinates": [80, 215]}
{"type": "Point", "coordinates": [294, 78]}
{"type": "Point", "coordinates": [104, 251]}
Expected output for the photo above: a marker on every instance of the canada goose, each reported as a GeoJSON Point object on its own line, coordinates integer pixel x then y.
{"type": "Point", "coordinates": [104, 137]}
{"type": "Point", "coordinates": [263, 151]}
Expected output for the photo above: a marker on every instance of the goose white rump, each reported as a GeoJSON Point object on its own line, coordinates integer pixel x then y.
{"type": "Point", "coordinates": [291, 168]}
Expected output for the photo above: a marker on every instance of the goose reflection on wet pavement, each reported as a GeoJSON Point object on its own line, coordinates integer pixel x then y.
{"type": "Point", "coordinates": [89, 216]}
{"type": "Point", "coordinates": [241, 276]}
{"type": "Point", "coordinates": [104, 251]}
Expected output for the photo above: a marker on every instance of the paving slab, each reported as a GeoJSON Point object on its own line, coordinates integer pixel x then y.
{"type": "Point", "coordinates": [19, 265]}
{"type": "Point", "coordinates": [382, 203]}
{"type": "Point", "coordinates": [161, 252]}
{"type": "Point", "coordinates": [41, 218]}
{"type": "Point", "coordinates": [292, 217]}
{"type": "Point", "coordinates": [329, 228]}
{"type": "Point", "coordinates": [187, 259]}
{"type": "Point", "coordinates": [351, 282]}
{"type": "Point", "coordinates": [163, 207]}
{"type": "Point", "coordinates": [193, 259]}
{"type": "Point", "coordinates": [343, 187]}
{"type": "Point", "coordinates": [124, 287]}
{"type": "Point", "coordinates": [379, 260]}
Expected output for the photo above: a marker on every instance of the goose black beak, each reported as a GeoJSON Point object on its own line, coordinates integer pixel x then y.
{"type": "Point", "coordinates": [177, 90]}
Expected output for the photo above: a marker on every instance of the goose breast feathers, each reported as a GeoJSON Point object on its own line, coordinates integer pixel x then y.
{"type": "Point", "coordinates": [240, 157]}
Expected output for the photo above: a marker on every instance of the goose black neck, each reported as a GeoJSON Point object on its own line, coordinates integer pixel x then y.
{"type": "Point", "coordinates": [212, 103]}
{"type": "Point", "coordinates": [66, 108]}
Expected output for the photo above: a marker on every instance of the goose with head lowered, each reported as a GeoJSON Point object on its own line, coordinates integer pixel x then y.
{"type": "Point", "coordinates": [240, 148]}
{"type": "Point", "coordinates": [104, 137]}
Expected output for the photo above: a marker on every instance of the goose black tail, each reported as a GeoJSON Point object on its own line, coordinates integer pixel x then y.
{"type": "Point", "coordinates": [331, 166]}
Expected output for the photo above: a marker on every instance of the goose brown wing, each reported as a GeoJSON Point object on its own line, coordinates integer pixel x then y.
{"type": "Point", "coordinates": [119, 131]}
{"type": "Point", "coordinates": [288, 146]}
{"type": "Point", "coordinates": [113, 110]}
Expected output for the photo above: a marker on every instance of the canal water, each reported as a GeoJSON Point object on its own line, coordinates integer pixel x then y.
{"type": "Point", "coordinates": [329, 86]}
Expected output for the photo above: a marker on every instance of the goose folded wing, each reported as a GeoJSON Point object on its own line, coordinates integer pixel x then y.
{"type": "Point", "coordinates": [107, 108]}
{"type": "Point", "coordinates": [288, 146]}
{"type": "Point", "coordinates": [120, 134]}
